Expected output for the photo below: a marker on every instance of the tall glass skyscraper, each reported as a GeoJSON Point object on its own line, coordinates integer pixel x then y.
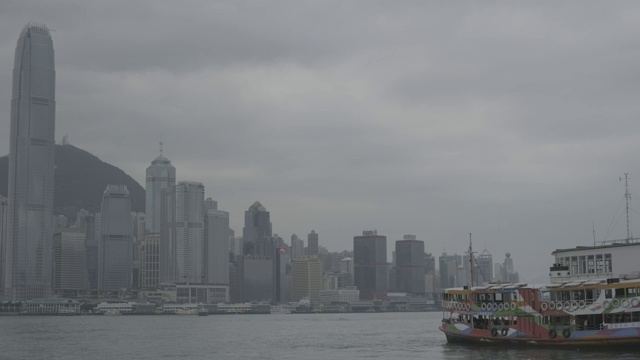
{"type": "Point", "coordinates": [115, 253]}
{"type": "Point", "coordinates": [28, 264]}
{"type": "Point", "coordinates": [160, 175]}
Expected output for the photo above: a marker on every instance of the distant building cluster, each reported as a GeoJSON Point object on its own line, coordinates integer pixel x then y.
{"type": "Point", "coordinates": [182, 248]}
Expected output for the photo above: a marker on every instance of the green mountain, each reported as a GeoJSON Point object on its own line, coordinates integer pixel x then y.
{"type": "Point", "coordinates": [80, 180]}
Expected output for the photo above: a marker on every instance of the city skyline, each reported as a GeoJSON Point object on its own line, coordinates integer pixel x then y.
{"type": "Point", "coordinates": [509, 121]}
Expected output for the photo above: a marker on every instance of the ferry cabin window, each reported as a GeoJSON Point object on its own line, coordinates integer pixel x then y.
{"type": "Point", "coordinates": [574, 264]}
{"type": "Point", "coordinates": [590, 264]}
{"type": "Point", "coordinates": [608, 267]}
{"type": "Point", "coordinates": [599, 264]}
{"type": "Point", "coordinates": [498, 296]}
{"type": "Point", "coordinates": [582, 262]}
{"type": "Point", "coordinates": [608, 293]}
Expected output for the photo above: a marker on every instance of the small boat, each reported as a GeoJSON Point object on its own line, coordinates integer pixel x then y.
{"type": "Point", "coordinates": [67, 312]}
{"type": "Point", "coordinates": [203, 312]}
{"type": "Point", "coordinates": [187, 312]}
{"type": "Point", "coordinates": [112, 312]}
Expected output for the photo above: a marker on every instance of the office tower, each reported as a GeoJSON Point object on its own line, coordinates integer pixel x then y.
{"type": "Point", "coordinates": [448, 267]}
{"type": "Point", "coordinates": [168, 235]}
{"type": "Point", "coordinates": [256, 233]}
{"type": "Point", "coordinates": [216, 246]}
{"type": "Point", "coordinates": [508, 274]}
{"type": "Point", "coordinates": [306, 279]}
{"type": "Point", "coordinates": [4, 207]}
{"type": "Point", "coordinates": [160, 175]}
{"type": "Point", "coordinates": [189, 232]}
{"type": "Point", "coordinates": [370, 265]}
{"type": "Point", "coordinates": [257, 278]}
{"type": "Point", "coordinates": [149, 253]}
{"type": "Point", "coordinates": [236, 286]}
{"type": "Point", "coordinates": [28, 266]}
{"type": "Point", "coordinates": [235, 245]}
{"type": "Point", "coordinates": [297, 247]}
{"type": "Point", "coordinates": [312, 243]}
{"type": "Point", "coordinates": [115, 253]}
{"type": "Point", "coordinates": [69, 262]}
{"type": "Point", "coordinates": [139, 224]}
{"type": "Point", "coordinates": [87, 222]}
{"type": "Point", "coordinates": [410, 265]}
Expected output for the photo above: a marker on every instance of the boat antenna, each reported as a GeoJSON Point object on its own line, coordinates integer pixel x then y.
{"type": "Point", "coordinates": [470, 261]}
{"type": "Point", "coordinates": [593, 225]}
{"type": "Point", "coordinates": [627, 196]}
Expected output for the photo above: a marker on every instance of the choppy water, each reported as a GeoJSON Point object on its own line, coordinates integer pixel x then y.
{"type": "Point", "coordinates": [313, 336]}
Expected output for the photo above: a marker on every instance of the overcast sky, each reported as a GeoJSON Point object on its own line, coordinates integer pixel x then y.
{"type": "Point", "coordinates": [512, 121]}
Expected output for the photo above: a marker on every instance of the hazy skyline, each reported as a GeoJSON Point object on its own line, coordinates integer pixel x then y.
{"type": "Point", "coordinates": [511, 121]}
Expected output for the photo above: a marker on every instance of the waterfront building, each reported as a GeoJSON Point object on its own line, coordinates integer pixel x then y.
{"type": "Point", "coordinates": [216, 246]}
{"type": "Point", "coordinates": [149, 253]}
{"type": "Point", "coordinates": [312, 243]}
{"type": "Point", "coordinates": [370, 265]}
{"type": "Point", "coordinates": [28, 261]}
{"type": "Point", "coordinates": [256, 233]}
{"type": "Point", "coordinates": [410, 265]}
{"type": "Point", "coordinates": [69, 262]}
{"type": "Point", "coordinates": [306, 279]}
{"type": "Point", "coordinates": [87, 222]}
{"type": "Point", "coordinates": [347, 295]}
{"type": "Point", "coordinates": [115, 253]}
{"type": "Point", "coordinates": [160, 175]}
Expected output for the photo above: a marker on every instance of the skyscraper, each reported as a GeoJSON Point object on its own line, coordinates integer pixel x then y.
{"type": "Point", "coordinates": [4, 206]}
{"type": "Point", "coordinates": [189, 232]}
{"type": "Point", "coordinates": [410, 265]}
{"type": "Point", "coordinates": [256, 233]}
{"type": "Point", "coordinates": [312, 243]}
{"type": "Point", "coordinates": [28, 264]}
{"type": "Point", "coordinates": [69, 265]}
{"type": "Point", "coordinates": [306, 279]}
{"type": "Point", "coordinates": [370, 265]}
{"type": "Point", "coordinates": [115, 252]}
{"type": "Point", "coordinates": [297, 247]}
{"type": "Point", "coordinates": [216, 244]}
{"type": "Point", "coordinates": [160, 175]}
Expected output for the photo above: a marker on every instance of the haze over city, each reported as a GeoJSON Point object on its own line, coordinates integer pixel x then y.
{"type": "Point", "coordinates": [510, 121]}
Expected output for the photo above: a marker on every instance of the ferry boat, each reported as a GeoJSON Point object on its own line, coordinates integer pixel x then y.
{"type": "Point", "coordinates": [577, 313]}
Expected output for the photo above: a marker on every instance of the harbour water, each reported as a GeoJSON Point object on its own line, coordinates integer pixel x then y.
{"type": "Point", "coordinates": [281, 336]}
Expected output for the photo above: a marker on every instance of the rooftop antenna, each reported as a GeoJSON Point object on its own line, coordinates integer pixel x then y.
{"type": "Point", "coordinates": [161, 144]}
{"type": "Point", "coordinates": [471, 261]}
{"type": "Point", "coordinates": [627, 196]}
{"type": "Point", "coordinates": [593, 225]}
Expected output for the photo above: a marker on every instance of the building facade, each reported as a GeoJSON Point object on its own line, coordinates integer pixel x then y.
{"type": "Point", "coordinates": [306, 279]}
{"type": "Point", "coordinates": [312, 243]}
{"type": "Point", "coordinates": [69, 262]}
{"type": "Point", "coordinates": [28, 262]}
{"type": "Point", "coordinates": [216, 247]}
{"type": "Point", "coordinates": [256, 233]}
{"type": "Point", "coordinates": [370, 265]}
{"type": "Point", "coordinates": [149, 253]}
{"type": "Point", "coordinates": [4, 209]}
{"type": "Point", "coordinates": [115, 253]}
{"type": "Point", "coordinates": [410, 265]}
{"type": "Point", "coordinates": [189, 232]}
{"type": "Point", "coordinates": [297, 247]}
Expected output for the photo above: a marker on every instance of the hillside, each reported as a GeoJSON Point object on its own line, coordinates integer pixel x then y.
{"type": "Point", "coordinates": [80, 180]}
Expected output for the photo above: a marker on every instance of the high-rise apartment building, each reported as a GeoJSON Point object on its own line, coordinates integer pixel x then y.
{"type": "Point", "coordinates": [216, 245]}
{"type": "Point", "coordinates": [115, 253]}
{"type": "Point", "coordinates": [256, 233]}
{"type": "Point", "coordinates": [410, 265]}
{"type": "Point", "coordinates": [69, 262]}
{"type": "Point", "coordinates": [370, 265]}
{"type": "Point", "coordinates": [312, 243]}
{"type": "Point", "coordinates": [28, 262]}
{"type": "Point", "coordinates": [160, 175]}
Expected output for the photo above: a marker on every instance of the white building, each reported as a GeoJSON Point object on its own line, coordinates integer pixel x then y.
{"type": "Point", "coordinates": [596, 262]}
{"type": "Point", "coordinates": [342, 295]}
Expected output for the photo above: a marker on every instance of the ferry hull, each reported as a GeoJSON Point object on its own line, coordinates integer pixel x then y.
{"type": "Point", "coordinates": [603, 338]}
